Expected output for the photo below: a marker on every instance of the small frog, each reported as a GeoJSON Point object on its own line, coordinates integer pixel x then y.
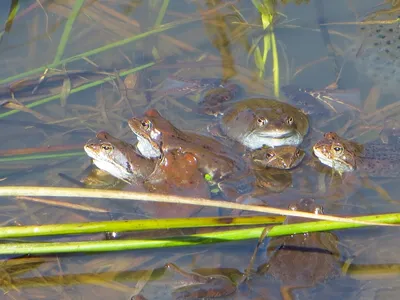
{"type": "Point", "coordinates": [283, 157]}
{"type": "Point", "coordinates": [374, 159]}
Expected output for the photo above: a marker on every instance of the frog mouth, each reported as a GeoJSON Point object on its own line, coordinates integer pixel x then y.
{"type": "Point", "coordinates": [323, 158]}
{"type": "Point", "coordinates": [334, 164]}
{"type": "Point", "coordinates": [277, 134]}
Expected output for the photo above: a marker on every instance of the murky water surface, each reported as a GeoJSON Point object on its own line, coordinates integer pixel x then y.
{"type": "Point", "coordinates": [171, 60]}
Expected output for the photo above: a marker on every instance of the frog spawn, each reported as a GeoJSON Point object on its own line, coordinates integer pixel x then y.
{"type": "Point", "coordinates": [377, 53]}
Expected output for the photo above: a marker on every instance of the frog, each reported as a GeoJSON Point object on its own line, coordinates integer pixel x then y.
{"type": "Point", "coordinates": [179, 86]}
{"type": "Point", "coordinates": [175, 173]}
{"type": "Point", "coordinates": [214, 101]}
{"type": "Point", "coordinates": [157, 136]}
{"type": "Point", "coordinates": [249, 177]}
{"type": "Point", "coordinates": [345, 156]}
{"type": "Point", "coordinates": [302, 260]}
{"type": "Point", "coordinates": [119, 158]}
{"type": "Point", "coordinates": [282, 157]}
{"type": "Point", "coordinates": [258, 122]}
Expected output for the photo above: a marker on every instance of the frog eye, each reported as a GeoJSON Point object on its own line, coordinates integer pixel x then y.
{"type": "Point", "coordinates": [292, 207]}
{"type": "Point", "coordinates": [289, 121]}
{"type": "Point", "coordinates": [146, 124]}
{"type": "Point", "coordinates": [338, 149]}
{"type": "Point", "coordinates": [106, 147]}
{"type": "Point", "coordinates": [269, 154]}
{"type": "Point", "coordinates": [319, 210]}
{"type": "Point", "coordinates": [261, 121]}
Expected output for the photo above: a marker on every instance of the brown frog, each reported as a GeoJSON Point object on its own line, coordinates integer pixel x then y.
{"type": "Point", "coordinates": [157, 136]}
{"type": "Point", "coordinates": [119, 158]}
{"type": "Point", "coordinates": [259, 122]}
{"type": "Point", "coordinates": [214, 101]}
{"type": "Point", "coordinates": [374, 159]}
{"type": "Point", "coordinates": [302, 260]}
{"type": "Point", "coordinates": [176, 173]}
{"type": "Point", "coordinates": [282, 157]}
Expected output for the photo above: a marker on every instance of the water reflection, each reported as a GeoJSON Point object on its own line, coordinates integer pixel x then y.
{"type": "Point", "coordinates": [224, 40]}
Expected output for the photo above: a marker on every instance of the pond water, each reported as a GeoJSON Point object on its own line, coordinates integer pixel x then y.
{"type": "Point", "coordinates": [44, 137]}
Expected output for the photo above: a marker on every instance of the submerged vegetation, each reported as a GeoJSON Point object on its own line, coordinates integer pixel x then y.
{"type": "Point", "coordinates": [83, 67]}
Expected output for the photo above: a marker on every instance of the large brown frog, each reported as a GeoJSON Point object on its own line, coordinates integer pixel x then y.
{"type": "Point", "coordinates": [157, 136]}
{"type": "Point", "coordinates": [374, 159]}
{"type": "Point", "coordinates": [302, 260]}
{"type": "Point", "coordinates": [257, 122]}
{"type": "Point", "coordinates": [262, 122]}
{"type": "Point", "coordinates": [176, 173]}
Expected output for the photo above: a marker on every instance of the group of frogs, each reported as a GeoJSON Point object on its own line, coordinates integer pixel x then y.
{"type": "Point", "coordinates": [255, 140]}
{"type": "Point", "coordinates": [252, 139]}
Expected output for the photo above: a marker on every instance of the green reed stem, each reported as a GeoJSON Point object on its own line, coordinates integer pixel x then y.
{"type": "Point", "coordinates": [40, 156]}
{"type": "Point", "coordinates": [67, 30]}
{"type": "Point", "coordinates": [43, 191]}
{"type": "Point", "coordinates": [275, 64]}
{"type": "Point", "coordinates": [161, 13]}
{"type": "Point", "coordinates": [133, 225]}
{"type": "Point", "coordinates": [182, 241]}
{"type": "Point", "coordinates": [78, 89]}
{"type": "Point", "coordinates": [95, 51]}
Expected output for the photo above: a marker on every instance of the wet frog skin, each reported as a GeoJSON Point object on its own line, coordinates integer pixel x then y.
{"type": "Point", "coordinates": [374, 159]}
{"type": "Point", "coordinates": [262, 122]}
{"type": "Point", "coordinates": [302, 260]}
{"type": "Point", "coordinates": [158, 135]}
{"type": "Point", "coordinates": [283, 157]}
{"type": "Point", "coordinates": [176, 173]}
{"type": "Point", "coordinates": [118, 158]}
{"type": "Point", "coordinates": [215, 101]}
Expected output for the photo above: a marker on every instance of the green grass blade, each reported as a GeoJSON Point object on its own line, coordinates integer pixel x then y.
{"type": "Point", "coordinates": [40, 156]}
{"type": "Point", "coordinates": [133, 225]}
{"type": "Point", "coordinates": [78, 89]}
{"type": "Point", "coordinates": [67, 30]}
{"type": "Point", "coordinates": [14, 7]}
{"type": "Point", "coordinates": [182, 241]}
{"type": "Point", "coordinates": [275, 64]}
{"type": "Point", "coordinates": [161, 13]}
{"type": "Point", "coordinates": [95, 51]}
